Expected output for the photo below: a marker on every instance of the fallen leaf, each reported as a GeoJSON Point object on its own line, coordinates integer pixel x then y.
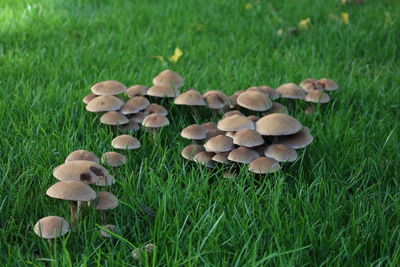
{"type": "Point", "coordinates": [345, 17]}
{"type": "Point", "coordinates": [177, 55]}
{"type": "Point", "coordinates": [305, 24]}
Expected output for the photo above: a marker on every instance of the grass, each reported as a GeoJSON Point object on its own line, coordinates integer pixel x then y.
{"type": "Point", "coordinates": [339, 204]}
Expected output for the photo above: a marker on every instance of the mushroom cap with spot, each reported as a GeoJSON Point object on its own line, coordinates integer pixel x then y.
{"type": "Point", "coordinates": [235, 123]}
{"type": "Point", "coordinates": [328, 85]}
{"type": "Point", "coordinates": [232, 112]}
{"type": "Point", "coordinates": [113, 159]}
{"type": "Point", "coordinates": [104, 103]}
{"type": "Point", "coordinates": [216, 99]}
{"type": "Point", "coordinates": [309, 85]}
{"type": "Point", "coordinates": [108, 88]}
{"type": "Point", "coordinates": [125, 142]}
{"type": "Point", "coordinates": [190, 98]}
{"type": "Point", "coordinates": [247, 138]}
{"type": "Point", "coordinates": [278, 124]}
{"type": "Point", "coordinates": [291, 91]}
{"type": "Point", "coordinates": [71, 190]}
{"type": "Point", "coordinates": [51, 227]}
{"type": "Point", "coordinates": [169, 78]}
{"type": "Point", "coordinates": [317, 96]}
{"type": "Point", "coordinates": [204, 158]}
{"type": "Point", "coordinates": [264, 165]}
{"type": "Point", "coordinates": [113, 118]}
{"type": "Point", "coordinates": [297, 140]}
{"type": "Point", "coordinates": [156, 109]}
{"type": "Point", "coordinates": [89, 98]}
{"type": "Point", "coordinates": [73, 170]}
{"type": "Point", "coordinates": [136, 90]}
{"type": "Point", "coordinates": [194, 132]}
{"type": "Point", "coordinates": [108, 227]}
{"type": "Point", "coordinates": [132, 126]}
{"type": "Point", "coordinates": [277, 108]}
{"type": "Point", "coordinates": [104, 201]}
{"type": "Point", "coordinates": [209, 126]}
{"type": "Point", "coordinates": [191, 150]}
{"type": "Point", "coordinates": [82, 155]}
{"type": "Point", "coordinates": [140, 102]}
{"type": "Point", "coordinates": [243, 155]}
{"type": "Point", "coordinates": [219, 143]}
{"type": "Point", "coordinates": [222, 157]}
{"type": "Point", "coordinates": [162, 91]}
{"type": "Point", "coordinates": [155, 121]}
{"type": "Point", "coordinates": [272, 93]}
{"type": "Point", "coordinates": [281, 153]}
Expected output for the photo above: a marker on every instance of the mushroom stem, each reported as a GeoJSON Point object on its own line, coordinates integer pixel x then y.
{"type": "Point", "coordinates": [155, 134]}
{"type": "Point", "coordinates": [292, 105]}
{"type": "Point", "coordinates": [73, 205]}
{"type": "Point", "coordinates": [103, 216]}
{"type": "Point", "coordinates": [196, 112]}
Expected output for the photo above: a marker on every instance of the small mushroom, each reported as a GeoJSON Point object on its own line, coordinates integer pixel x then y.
{"type": "Point", "coordinates": [108, 88]}
{"type": "Point", "coordinates": [82, 155]}
{"type": "Point", "coordinates": [216, 100]}
{"type": "Point", "coordinates": [309, 85]}
{"type": "Point", "coordinates": [235, 123]}
{"type": "Point", "coordinates": [281, 153]}
{"type": "Point", "coordinates": [243, 155]}
{"type": "Point", "coordinates": [298, 140]}
{"type": "Point", "coordinates": [254, 100]}
{"type": "Point", "coordinates": [104, 103]}
{"type": "Point", "coordinates": [248, 138]}
{"type": "Point", "coordinates": [154, 122]}
{"type": "Point", "coordinates": [278, 124]}
{"type": "Point", "coordinates": [204, 158]}
{"type": "Point", "coordinates": [125, 142]}
{"type": "Point", "coordinates": [191, 98]}
{"type": "Point", "coordinates": [113, 159]}
{"type": "Point", "coordinates": [219, 143]}
{"type": "Point", "coordinates": [51, 227]}
{"type": "Point", "coordinates": [194, 132]}
{"type": "Point", "coordinates": [136, 90]}
{"type": "Point", "coordinates": [113, 118]}
{"type": "Point", "coordinates": [169, 78]}
{"type": "Point", "coordinates": [89, 98]}
{"type": "Point", "coordinates": [105, 232]}
{"type": "Point", "coordinates": [156, 109]}
{"type": "Point", "coordinates": [328, 85]}
{"type": "Point", "coordinates": [264, 165]}
{"type": "Point", "coordinates": [191, 150]}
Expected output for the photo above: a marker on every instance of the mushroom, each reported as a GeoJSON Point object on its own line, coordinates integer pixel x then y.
{"type": "Point", "coordinates": [104, 103]}
{"type": "Point", "coordinates": [113, 118]}
{"type": "Point", "coordinates": [214, 132]}
{"type": "Point", "coordinates": [278, 124]}
{"type": "Point", "coordinates": [136, 90]}
{"type": "Point", "coordinates": [298, 140]}
{"type": "Point", "coordinates": [131, 126]}
{"type": "Point", "coordinates": [277, 108]}
{"type": "Point", "coordinates": [194, 132]}
{"type": "Point", "coordinates": [108, 88]}
{"type": "Point", "coordinates": [161, 91]}
{"type": "Point", "coordinates": [254, 100]}
{"type": "Point", "coordinates": [264, 165]}
{"type": "Point", "coordinates": [222, 157]}
{"type": "Point", "coordinates": [138, 117]}
{"type": "Point", "coordinates": [125, 142]}
{"type": "Point", "coordinates": [191, 98]}
{"type": "Point", "coordinates": [73, 170]}
{"type": "Point", "coordinates": [317, 96]}
{"type": "Point", "coordinates": [243, 155]}
{"type": "Point", "coordinates": [107, 229]}
{"type": "Point", "coordinates": [104, 201]}
{"type": "Point", "coordinates": [235, 123]}
{"type": "Point", "coordinates": [169, 78]}
{"type": "Point", "coordinates": [154, 122]}
{"type": "Point", "coordinates": [281, 153]}
{"type": "Point", "coordinates": [309, 85]}
{"type": "Point", "coordinates": [216, 100]}
{"type": "Point", "coordinates": [273, 94]}
{"type": "Point", "coordinates": [73, 191]}
{"type": "Point", "coordinates": [82, 155]}
{"type": "Point", "coordinates": [113, 159]}
{"type": "Point", "coordinates": [291, 91]}
{"type": "Point", "coordinates": [232, 112]}
{"type": "Point", "coordinates": [208, 126]}
{"type": "Point", "coordinates": [156, 109]}
{"type": "Point", "coordinates": [219, 143]}
{"type": "Point", "coordinates": [89, 98]}
{"type": "Point", "coordinates": [233, 98]}
{"type": "Point", "coordinates": [139, 102]}
{"type": "Point", "coordinates": [51, 227]}
{"type": "Point", "coordinates": [204, 158]}
{"type": "Point", "coordinates": [328, 85]}
{"type": "Point", "coordinates": [191, 150]}
{"type": "Point", "coordinates": [248, 138]}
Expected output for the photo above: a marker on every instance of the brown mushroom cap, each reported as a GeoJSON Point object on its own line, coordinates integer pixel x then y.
{"type": "Point", "coordinates": [204, 158]}
{"type": "Point", "coordinates": [222, 157]}
{"type": "Point", "coordinates": [82, 155]}
{"type": "Point", "coordinates": [104, 201]}
{"type": "Point", "coordinates": [235, 123]}
{"type": "Point", "coordinates": [108, 227]}
{"type": "Point", "coordinates": [136, 90]}
{"type": "Point", "coordinates": [209, 126]}
{"type": "Point", "coordinates": [89, 98]}
{"type": "Point", "coordinates": [310, 85]}
{"type": "Point", "coordinates": [272, 93]}
{"type": "Point", "coordinates": [219, 143]}
{"type": "Point", "coordinates": [191, 150]}
{"type": "Point", "coordinates": [317, 96]}
{"type": "Point", "coordinates": [297, 140]}
{"type": "Point", "coordinates": [140, 102]}
{"type": "Point", "coordinates": [51, 227]}
{"type": "Point", "coordinates": [138, 117]}
{"type": "Point", "coordinates": [277, 108]}
{"type": "Point", "coordinates": [71, 190]}
{"type": "Point", "coordinates": [247, 138]}
{"type": "Point", "coordinates": [281, 153]}
{"type": "Point", "coordinates": [253, 118]}
{"type": "Point", "coordinates": [243, 155]}
{"type": "Point", "coordinates": [264, 165]}
{"type": "Point", "coordinates": [278, 124]}
{"type": "Point", "coordinates": [113, 118]}
{"type": "Point", "coordinates": [190, 98]}
{"type": "Point", "coordinates": [162, 91]}
{"type": "Point", "coordinates": [216, 99]}
{"type": "Point", "coordinates": [169, 78]}
{"type": "Point", "coordinates": [291, 90]}
{"type": "Point", "coordinates": [104, 103]}
{"type": "Point", "coordinates": [214, 132]}
{"type": "Point", "coordinates": [125, 142]}
{"type": "Point", "coordinates": [156, 109]}
{"type": "Point", "coordinates": [194, 132]}
{"type": "Point", "coordinates": [113, 159]}
{"type": "Point", "coordinates": [128, 109]}
{"type": "Point", "coordinates": [155, 121]}
{"type": "Point", "coordinates": [232, 112]}
{"type": "Point", "coordinates": [328, 85]}
{"type": "Point", "coordinates": [108, 88]}
{"type": "Point", "coordinates": [73, 170]}
{"type": "Point", "coordinates": [254, 100]}
{"type": "Point", "coordinates": [131, 126]}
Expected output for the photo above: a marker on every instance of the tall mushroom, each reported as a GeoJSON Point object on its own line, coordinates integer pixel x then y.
{"type": "Point", "coordinates": [154, 122]}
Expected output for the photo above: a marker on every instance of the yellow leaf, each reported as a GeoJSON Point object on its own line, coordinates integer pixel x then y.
{"type": "Point", "coordinates": [345, 1]}
{"type": "Point", "coordinates": [345, 17]}
{"type": "Point", "coordinates": [305, 24]}
{"type": "Point", "coordinates": [161, 58]}
{"type": "Point", "coordinates": [248, 6]}
{"type": "Point", "coordinates": [177, 55]}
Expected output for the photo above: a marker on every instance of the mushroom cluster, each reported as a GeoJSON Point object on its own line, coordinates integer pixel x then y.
{"type": "Point", "coordinates": [80, 171]}
{"type": "Point", "coordinates": [315, 91]}
{"type": "Point", "coordinates": [236, 139]}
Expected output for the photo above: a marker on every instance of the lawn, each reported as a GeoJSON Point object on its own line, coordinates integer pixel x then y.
{"type": "Point", "coordinates": [338, 204]}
